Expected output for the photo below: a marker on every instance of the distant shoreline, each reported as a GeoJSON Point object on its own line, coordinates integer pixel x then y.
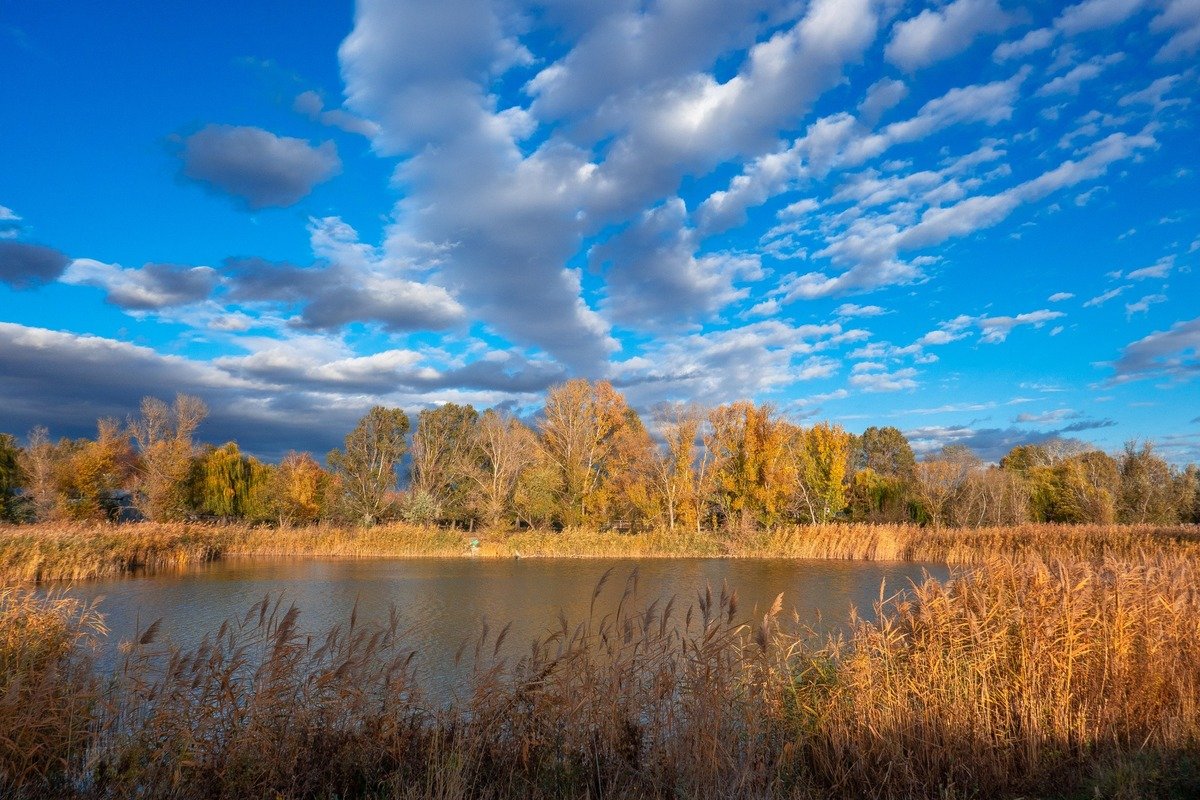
{"type": "Point", "coordinates": [49, 552]}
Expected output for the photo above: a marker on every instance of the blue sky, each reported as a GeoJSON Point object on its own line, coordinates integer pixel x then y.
{"type": "Point", "coordinates": [977, 220]}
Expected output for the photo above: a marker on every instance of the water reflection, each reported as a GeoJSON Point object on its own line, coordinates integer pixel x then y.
{"type": "Point", "coordinates": [443, 602]}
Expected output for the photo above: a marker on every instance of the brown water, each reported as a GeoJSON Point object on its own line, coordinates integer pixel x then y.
{"type": "Point", "coordinates": [443, 602]}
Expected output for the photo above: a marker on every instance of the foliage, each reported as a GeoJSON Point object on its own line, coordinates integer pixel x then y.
{"type": "Point", "coordinates": [367, 465]}
{"type": "Point", "coordinates": [163, 435]}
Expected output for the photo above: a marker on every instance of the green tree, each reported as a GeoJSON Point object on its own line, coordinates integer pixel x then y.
{"type": "Point", "coordinates": [229, 485]}
{"type": "Point", "coordinates": [12, 477]}
{"type": "Point", "coordinates": [1145, 494]}
{"type": "Point", "coordinates": [367, 464]}
{"type": "Point", "coordinates": [885, 451]}
{"type": "Point", "coordinates": [443, 451]}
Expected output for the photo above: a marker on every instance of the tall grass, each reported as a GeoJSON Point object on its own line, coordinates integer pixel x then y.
{"type": "Point", "coordinates": [53, 552]}
{"type": "Point", "coordinates": [1027, 677]}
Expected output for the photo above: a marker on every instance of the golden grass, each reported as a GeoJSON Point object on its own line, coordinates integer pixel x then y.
{"type": "Point", "coordinates": [1027, 677]}
{"type": "Point", "coordinates": [67, 552]}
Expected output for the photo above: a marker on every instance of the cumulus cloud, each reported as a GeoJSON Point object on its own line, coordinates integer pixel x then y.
{"type": "Point", "coordinates": [1057, 415]}
{"type": "Point", "coordinates": [354, 283]}
{"type": "Point", "coordinates": [869, 376]}
{"type": "Point", "coordinates": [935, 35]}
{"type": "Point", "coordinates": [256, 166]}
{"type": "Point", "coordinates": [1174, 353]}
{"type": "Point", "coordinates": [27, 266]}
{"type": "Point", "coordinates": [853, 310]}
{"type": "Point", "coordinates": [1058, 297]}
{"type": "Point", "coordinates": [881, 95]}
{"type": "Point", "coordinates": [1095, 14]}
{"type": "Point", "coordinates": [724, 365]}
{"type": "Point", "coordinates": [1031, 42]}
{"type": "Point", "coordinates": [148, 288]}
{"type": "Point", "coordinates": [654, 276]}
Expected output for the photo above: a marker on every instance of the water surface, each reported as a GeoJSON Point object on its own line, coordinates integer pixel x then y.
{"type": "Point", "coordinates": [443, 602]}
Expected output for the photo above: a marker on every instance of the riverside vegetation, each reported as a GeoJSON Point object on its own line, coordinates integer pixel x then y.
{"type": "Point", "coordinates": [1062, 660]}
{"type": "Point", "coordinates": [1028, 677]}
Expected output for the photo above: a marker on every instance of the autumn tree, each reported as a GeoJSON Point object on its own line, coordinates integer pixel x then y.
{"type": "Point", "coordinates": [627, 495]}
{"type": "Point", "coordinates": [301, 489]}
{"type": "Point", "coordinates": [163, 435]}
{"type": "Point", "coordinates": [367, 464]}
{"type": "Point", "coordinates": [95, 471]}
{"type": "Point", "coordinates": [940, 480]}
{"type": "Point", "coordinates": [1146, 491]}
{"type": "Point", "coordinates": [820, 455]}
{"type": "Point", "coordinates": [680, 469]}
{"type": "Point", "coordinates": [538, 490]}
{"type": "Point", "coordinates": [578, 427]}
{"type": "Point", "coordinates": [504, 448]}
{"type": "Point", "coordinates": [884, 451]}
{"type": "Point", "coordinates": [755, 480]}
{"type": "Point", "coordinates": [442, 456]}
{"type": "Point", "coordinates": [37, 466]}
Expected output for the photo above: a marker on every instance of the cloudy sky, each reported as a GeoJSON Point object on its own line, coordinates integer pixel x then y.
{"type": "Point", "coordinates": [975, 220]}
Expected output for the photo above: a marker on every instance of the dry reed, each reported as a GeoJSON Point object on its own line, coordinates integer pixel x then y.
{"type": "Point", "coordinates": [1027, 677]}
{"type": "Point", "coordinates": [72, 552]}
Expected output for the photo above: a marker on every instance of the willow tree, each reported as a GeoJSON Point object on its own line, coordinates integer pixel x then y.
{"type": "Point", "coordinates": [230, 485]}
{"type": "Point", "coordinates": [367, 464]}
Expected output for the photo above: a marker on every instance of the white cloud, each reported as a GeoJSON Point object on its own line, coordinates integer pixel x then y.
{"type": "Point", "coordinates": [994, 330]}
{"type": "Point", "coordinates": [1159, 269]}
{"type": "Point", "coordinates": [1182, 19]}
{"type": "Point", "coordinates": [1035, 40]}
{"type": "Point", "coordinates": [1143, 306]}
{"type": "Point", "coordinates": [852, 310]}
{"type": "Point", "coordinates": [933, 36]}
{"type": "Point", "coordinates": [1095, 14]}
{"type": "Point", "coordinates": [873, 377]}
{"type": "Point", "coordinates": [1058, 297]}
{"type": "Point", "coordinates": [148, 288]}
{"type": "Point", "coordinates": [1104, 297]}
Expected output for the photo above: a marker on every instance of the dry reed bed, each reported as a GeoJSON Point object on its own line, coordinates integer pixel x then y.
{"type": "Point", "coordinates": [1025, 678]}
{"type": "Point", "coordinates": [53, 552]}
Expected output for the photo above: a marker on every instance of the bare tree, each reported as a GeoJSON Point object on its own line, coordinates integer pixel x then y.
{"type": "Point", "coordinates": [163, 435]}
{"type": "Point", "coordinates": [505, 448]}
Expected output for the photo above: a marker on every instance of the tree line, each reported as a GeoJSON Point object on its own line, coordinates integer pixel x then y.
{"type": "Point", "coordinates": [590, 460]}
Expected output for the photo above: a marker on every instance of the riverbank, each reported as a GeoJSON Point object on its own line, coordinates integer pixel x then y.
{"type": "Point", "coordinates": [1029, 678]}
{"type": "Point", "coordinates": [65, 552]}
